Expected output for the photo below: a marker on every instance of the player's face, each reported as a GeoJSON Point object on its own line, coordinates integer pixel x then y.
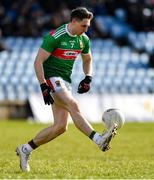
{"type": "Point", "coordinates": [81, 26]}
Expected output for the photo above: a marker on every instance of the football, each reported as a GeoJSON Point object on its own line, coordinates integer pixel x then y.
{"type": "Point", "coordinates": [113, 116]}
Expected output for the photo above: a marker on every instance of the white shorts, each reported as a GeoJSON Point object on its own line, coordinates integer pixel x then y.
{"type": "Point", "coordinates": [57, 84]}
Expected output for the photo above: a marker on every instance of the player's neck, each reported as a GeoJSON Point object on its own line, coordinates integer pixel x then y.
{"type": "Point", "coordinates": [71, 29]}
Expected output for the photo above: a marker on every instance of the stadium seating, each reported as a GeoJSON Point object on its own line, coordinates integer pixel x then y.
{"type": "Point", "coordinates": [142, 41]}
{"type": "Point", "coordinates": [116, 69]}
{"type": "Point", "coordinates": [115, 26]}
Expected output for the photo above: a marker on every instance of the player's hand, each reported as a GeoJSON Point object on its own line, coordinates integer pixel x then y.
{"type": "Point", "coordinates": [46, 92]}
{"type": "Point", "coordinates": [84, 85]}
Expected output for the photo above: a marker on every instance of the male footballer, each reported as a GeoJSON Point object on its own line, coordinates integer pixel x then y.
{"type": "Point", "coordinates": [53, 66]}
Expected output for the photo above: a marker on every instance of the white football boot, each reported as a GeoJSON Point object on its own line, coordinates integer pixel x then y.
{"type": "Point", "coordinates": [24, 158]}
{"type": "Point", "coordinates": [107, 137]}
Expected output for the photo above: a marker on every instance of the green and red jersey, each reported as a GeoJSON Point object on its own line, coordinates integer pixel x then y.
{"type": "Point", "coordinates": [64, 49]}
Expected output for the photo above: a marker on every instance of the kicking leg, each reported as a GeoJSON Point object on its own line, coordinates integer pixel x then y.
{"type": "Point", "coordinates": [65, 99]}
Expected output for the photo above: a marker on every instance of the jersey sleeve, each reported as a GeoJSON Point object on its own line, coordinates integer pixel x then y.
{"type": "Point", "coordinates": [49, 43]}
{"type": "Point", "coordinates": [86, 49]}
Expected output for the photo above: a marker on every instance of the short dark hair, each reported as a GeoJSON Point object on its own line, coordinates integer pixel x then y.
{"type": "Point", "coordinates": [81, 13]}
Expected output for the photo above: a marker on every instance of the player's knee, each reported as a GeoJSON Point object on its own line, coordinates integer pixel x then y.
{"type": "Point", "coordinates": [74, 106]}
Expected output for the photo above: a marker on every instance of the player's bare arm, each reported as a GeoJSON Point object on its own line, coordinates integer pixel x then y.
{"type": "Point", "coordinates": [87, 63]}
{"type": "Point", "coordinates": [38, 65]}
{"type": "Point", "coordinates": [42, 56]}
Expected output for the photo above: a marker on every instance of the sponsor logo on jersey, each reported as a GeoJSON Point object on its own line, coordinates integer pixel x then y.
{"type": "Point", "coordinates": [70, 53]}
{"type": "Point", "coordinates": [67, 54]}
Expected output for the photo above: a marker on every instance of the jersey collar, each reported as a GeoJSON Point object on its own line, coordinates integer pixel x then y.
{"type": "Point", "coordinates": [69, 32]}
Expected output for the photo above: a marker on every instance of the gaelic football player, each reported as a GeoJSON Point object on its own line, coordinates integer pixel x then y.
{"type": "Point", "coordinates": [53, 67]}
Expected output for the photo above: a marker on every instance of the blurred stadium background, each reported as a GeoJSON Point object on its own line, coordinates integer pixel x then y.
{"type": "Point", "coordinates": [122, 38]}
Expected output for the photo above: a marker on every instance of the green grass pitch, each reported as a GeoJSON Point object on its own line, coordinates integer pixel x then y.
{"type": "Point", "coordinates": [72, 155]}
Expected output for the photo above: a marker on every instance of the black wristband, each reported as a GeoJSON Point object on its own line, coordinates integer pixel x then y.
{"type": "Point", "coordinates": [88, 79]}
